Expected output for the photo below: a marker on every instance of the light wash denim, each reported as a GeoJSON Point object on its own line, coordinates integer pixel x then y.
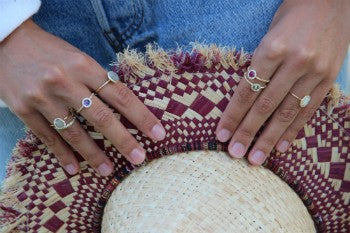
{"type": "Point", "coordinates": [102, 28]}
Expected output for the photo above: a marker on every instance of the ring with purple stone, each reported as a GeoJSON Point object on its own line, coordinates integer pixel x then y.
{"type": "Point", "coordinates": [86, 103]}
{"type": "Point", "coordinates": [112, 77]}
{"type": "Point", "coordinates": [256, 87]}
{"type": "Point", "coordinates": [252, 75]}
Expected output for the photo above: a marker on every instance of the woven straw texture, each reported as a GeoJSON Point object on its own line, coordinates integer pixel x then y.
{"type": "Point", "coordinates": [188, 91]}
{"type": "Point", "coordinates": [204, 192]}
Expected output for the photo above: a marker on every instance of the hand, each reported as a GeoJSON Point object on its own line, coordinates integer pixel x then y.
{"type": "Point", "coordinates": [302, 53]}
{"type": "Point", "coordinates": [42, 77]}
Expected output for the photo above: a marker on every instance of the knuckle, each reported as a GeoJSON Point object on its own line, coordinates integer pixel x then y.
{"type": "Point", "coordinates": [308, 112]}
{"type": "Point", "coordinates": [304, 55]}
{"type": "Point", "coordinates": [268, 142]}
{"type": "Point", "coordinates": [123, 96]}
{"type": "Point", "coordinates": [53, 76]}
{"type": "Point", "coordinates": [230, 121]}
{"type": "Point", "coordinates": [34, 96]}
{"type": "Point", "coordinates": [321, 68]}
{"type": "Point", "coordinates": [244, 96]}
{"type": "Point", "coordinates": [274, 49]}
{"type": "Point", "coordinates": [243, 132]}
{"type": "Point", "coordinates": [72, 135]}
{"type": "Point", "coordinates": [102, 117]}
{"type": "Point", "coordinates": [147, 121]}
{"type": "Point", "coordinates": [286, 115]}
{"type": "Point", "coordinates": [126, 144]}
{"type": "Point", "coordinates": [21, 110]}
{"type": "Point", "coordinates": [48, 140]}
{"type": "Point", "coordinates": [79, 61]}
{"type": "Point", "coordinates": [264, 105]}
{"type": "Point", "coordinates": [94, 158]}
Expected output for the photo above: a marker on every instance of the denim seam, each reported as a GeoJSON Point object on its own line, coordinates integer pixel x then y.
{"type": "Point", "coordinates": [104, 24]}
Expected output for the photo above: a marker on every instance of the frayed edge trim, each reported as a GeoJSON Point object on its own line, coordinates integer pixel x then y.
{"type": "Point", "coordinates": [13, 184]}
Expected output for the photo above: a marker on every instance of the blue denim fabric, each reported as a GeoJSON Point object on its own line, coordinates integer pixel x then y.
{"type": "Point", "coordinates": [102, 28]}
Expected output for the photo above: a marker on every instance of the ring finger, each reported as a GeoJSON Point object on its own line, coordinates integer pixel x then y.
{"type": "Point", "coordinates": [78, 138]}
{"type": "Point", "coordinates": [104, 120]}
{"type": "Point", "coordinates": [281, 119]}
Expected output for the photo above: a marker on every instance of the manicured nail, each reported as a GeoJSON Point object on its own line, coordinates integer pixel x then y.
{"type": "Point", "coordinates": [237, 150]}
{"type": "Point", "coordinates": [223, 135]}
{"type": "Point", "coordinates": [137, 156]}
{"type": "Point", "coordinates": [104, 169]}
{"type": "Point", "coordinates": [258, 157]}
{"type": "Point", "coordinates": [70, 168]}
{"type": "Point", "coordinates": [158, 132]}
{"type": "Point", "coordinates": [282, 146]}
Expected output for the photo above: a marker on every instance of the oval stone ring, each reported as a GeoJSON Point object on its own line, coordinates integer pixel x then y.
{"type": "Point", "coordinates": [303, 102]}
{"type": "Point", "coordinates": [59, 123]}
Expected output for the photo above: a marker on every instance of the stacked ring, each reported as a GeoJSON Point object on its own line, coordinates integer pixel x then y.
{"type": "Point", "coordinates": [251, 75]}
{"type": "Point", "coordinates": [59, 123]}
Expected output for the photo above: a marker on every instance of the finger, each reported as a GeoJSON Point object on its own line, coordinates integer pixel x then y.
{"type": "Point", "coordinates": [121, 98]}
{"type": "Point", "coordinates": [317, 96]}
{"type": "Point", "coordinates": [41, 128]}
{"type": "Point", "coordinates": [262, 108]}
{"type": "Point", "coordinates": [280, 120]}
{"type": "Point", "coordinates": [78, 138]}
{"type": "Point", "coordinates": [103, 119]}
{"type": "Point", "coordinates": [243, 98]}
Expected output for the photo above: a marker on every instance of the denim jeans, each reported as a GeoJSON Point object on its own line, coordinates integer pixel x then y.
{"type": "Point", "coordinates": [102, 28]}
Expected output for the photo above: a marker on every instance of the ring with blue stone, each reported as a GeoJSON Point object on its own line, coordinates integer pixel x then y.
{"type": "Point", "coordinates": [86, 103]}
{"type": "Point", "coordinates": [112, 77]}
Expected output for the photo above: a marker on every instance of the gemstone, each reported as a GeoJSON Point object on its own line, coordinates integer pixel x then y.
{"type": "Point", "coordinates": [59, 123]}
{"type": "Point", "coordinates": [113, 76]}
{"type": "Point", "coordinates": [252, 74]}
{"type": "Point", "coordinates": [86, 102]}
{"type": "Point", "coordinates": [255, 87]}
{"type": "Point", "coordinates": [305, 101]}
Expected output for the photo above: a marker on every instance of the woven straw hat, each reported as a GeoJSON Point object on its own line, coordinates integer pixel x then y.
{"type": "Point", "coordinates": [303, 190]}
{"type": "Point", "coordinates": [204, 191]}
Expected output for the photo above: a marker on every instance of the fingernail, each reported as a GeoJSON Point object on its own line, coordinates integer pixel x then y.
{"type": "Point", "coordinates": [258, 157]}
{"type": "Point", "coordinates": [104, 169]}
{"type": "Point", "coordinates": [237, 150]}
{"type": "Point", "coordinates": [282, 146]}
{"type": "Point", "coordinates": [70, 168]}
{"type": "Point", "coordinates": [223, 135]}
{"type": "Point", "coordinates": [137, 156]}
{"type": "Point", "coordinates": [158, 132]}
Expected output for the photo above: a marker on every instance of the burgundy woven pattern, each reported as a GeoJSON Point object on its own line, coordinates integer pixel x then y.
{"type": "Point", "coordinates": [189, 102]}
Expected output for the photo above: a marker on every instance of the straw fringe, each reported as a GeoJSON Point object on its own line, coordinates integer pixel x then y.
{"type": "Point", "coordinates": [134, 64]}
{"type": "Point", "coordinates": [14, 182]}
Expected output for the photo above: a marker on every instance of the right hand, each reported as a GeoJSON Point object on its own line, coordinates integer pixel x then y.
{"type": "Point", "coordinates": [43, 76]}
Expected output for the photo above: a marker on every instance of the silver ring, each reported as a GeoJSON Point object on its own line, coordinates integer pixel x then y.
{"type": "Point", "coordinates": [112, 77]}
{"type": "Point", "coordinates": [303, 102]}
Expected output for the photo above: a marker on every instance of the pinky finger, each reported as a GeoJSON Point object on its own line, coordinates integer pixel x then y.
{"type": "Point", "coordinates": [304, 116]}
{"type": "Point", "coordinates": [41, 128]}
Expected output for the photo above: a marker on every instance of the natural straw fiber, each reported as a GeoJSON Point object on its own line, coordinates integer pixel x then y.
{"type": "Point", "coordinates": [187, 91]}
{"type": "Point", "coordinates": [204, 192]}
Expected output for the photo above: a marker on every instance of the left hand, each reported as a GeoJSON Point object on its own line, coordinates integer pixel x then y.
{"type": "Point", "coordinates": [302, 53]}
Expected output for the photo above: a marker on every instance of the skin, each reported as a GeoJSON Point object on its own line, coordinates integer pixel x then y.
{"type": "Point", "coordinates": [302, 53]}
{"type": "Point", "coordinates": [43, 76]}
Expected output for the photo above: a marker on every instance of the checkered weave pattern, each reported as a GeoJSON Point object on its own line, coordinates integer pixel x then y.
{"type": "Point", "coordinates": [188, 91]}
